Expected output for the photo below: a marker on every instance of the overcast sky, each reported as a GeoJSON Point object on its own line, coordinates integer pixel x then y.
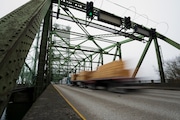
{"type": "Point", "coordinates": [160, 14]}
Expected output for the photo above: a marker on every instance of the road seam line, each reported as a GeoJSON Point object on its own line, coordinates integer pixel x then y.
{"type": "Point", "coordinates": [60, 93]}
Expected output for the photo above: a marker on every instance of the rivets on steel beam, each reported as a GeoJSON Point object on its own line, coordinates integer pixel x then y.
{"type": "Point", "coordinates": [16, 33]}
{"type": "Point", "coordinates": [10, 61]}
{"type": "Point", "coordinates": [4, 87]}
{"type": "Point", "coordinates": [2, 50]}
{"type": "Point", "coordinates": [6, 45]}
{"type": "Point", "coordinates": [7, 74]}
{"type": "Point", "coordinates": [8, 95]}
{"type": "Point", "coordinates": [2, 21]}
{"type": "Point", "coordinates": [10, 83]}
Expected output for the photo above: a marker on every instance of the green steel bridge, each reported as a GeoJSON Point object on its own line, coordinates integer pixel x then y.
{"type": "Point", "coordinates": [35, 51]}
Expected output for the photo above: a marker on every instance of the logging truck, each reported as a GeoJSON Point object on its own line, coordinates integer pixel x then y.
{"type": "Point", "coordinates": [113, 74]}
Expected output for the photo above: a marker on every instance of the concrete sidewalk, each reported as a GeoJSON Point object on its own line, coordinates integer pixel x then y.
{"type": "Point", "coordinates": [51, 106]}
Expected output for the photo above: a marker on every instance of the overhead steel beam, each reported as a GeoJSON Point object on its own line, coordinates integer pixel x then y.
{"type": "Point", "coordinates": [17, 32]}
{"type": "Point", "coordinates": [101, 27]}
{"type": "Point", "coordinates": [82, 7]}
{"type": "Point", "coordinates": [83, 50]}
{"type": "Point", "coordinates": [73, 4]}
{"type": "Point", "coordinates": [171, 42]}
{"type": "Point", "coordinates": [66, 4]}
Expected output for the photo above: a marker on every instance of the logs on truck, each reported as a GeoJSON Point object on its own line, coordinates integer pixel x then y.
{"type": "Point", "coordinates": [109, 71]}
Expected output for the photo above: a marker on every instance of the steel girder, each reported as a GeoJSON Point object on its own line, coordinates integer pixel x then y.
{"type": "Point", "coordinates": [42, 75]}
{"type": "Point", "coordinates": [17, 32]}
{"type": "Point", "coordinates": [29, 70]}
{"type": "Point", "coordinates": [19, 28]}
{"type": "Point", "coordinates": [74, 4]}
{"type": "Point", "coordinates": [66, 4]}
{"type": "Point", "coordinates": [76, 50]}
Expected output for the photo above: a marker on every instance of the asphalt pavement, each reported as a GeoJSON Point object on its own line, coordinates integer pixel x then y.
{"type": "Point", "coordinates": [147, 104]}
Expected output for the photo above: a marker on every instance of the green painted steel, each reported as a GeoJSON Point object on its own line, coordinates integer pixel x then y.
{"type": "Point", "coordinates": [142, 57]}
{"type": "Point", "coordinates": [117, 45]}
{"type": "Point", "coordinates": [58, 57]}
{"type": "Point", "coordinates": [171, 42]}
{"type": "Point", "coordinates": [42, 79]}
{"type": "Point", "coordinates": [161, 70]}
{"type": "Point", "coordinates": [29, 71]}
{"type": "Point", "coordinates": [21, 26]}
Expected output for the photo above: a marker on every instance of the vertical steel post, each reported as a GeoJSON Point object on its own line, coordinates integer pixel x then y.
{"type": "Point", "coordinates": [102, 60]}
{"type": "Point", "coordinates": [115, 53]}
{"type": "Point", "coordinates": [161, 71]}
{"type": "Point", "coordinates": [84, 64]}
{"type": "Point", "coordinates": [98, 62]}
{"type": "Point", "coordinates": [49, 76]}
{"type": "Point", "coordinates": [49, 70]}
{"type": "Point", "coordinates": [50, 57]}
{"type": "Point", "coordinates": [91, 62]}
{"type": "Point", "coordinates": [119, 49]}
{"type": "Point", "coordinates": [36, 57]}
{"type": "Point", "coordinates": [79, 67]}
{"type": "Point", "coordinates": [41, 80]}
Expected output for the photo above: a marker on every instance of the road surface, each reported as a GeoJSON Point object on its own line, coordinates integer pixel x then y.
{"type": "Point", "coordinates": [149, 104]}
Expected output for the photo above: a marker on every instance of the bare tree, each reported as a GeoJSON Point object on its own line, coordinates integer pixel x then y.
{"type": "Point", "coordinates": [172, 69]}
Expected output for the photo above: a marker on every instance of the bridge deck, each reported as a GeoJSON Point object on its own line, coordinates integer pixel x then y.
{"type": "Point", "coordinates": [51, 106]}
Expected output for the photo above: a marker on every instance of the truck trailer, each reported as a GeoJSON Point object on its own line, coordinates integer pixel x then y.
{"type": "Point", "coordinates": [113, 74]}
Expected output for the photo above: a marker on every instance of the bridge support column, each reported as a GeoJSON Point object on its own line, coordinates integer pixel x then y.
{"type": "Point", "coordinates": [161, 71]}
{"type": "Point", "coordinates": [41, 81]}
{"type": "Point", "coordinates": [17, 33]}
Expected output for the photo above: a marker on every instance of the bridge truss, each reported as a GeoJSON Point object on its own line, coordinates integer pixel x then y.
{"type": "Point", "coordinates": [60, 55]}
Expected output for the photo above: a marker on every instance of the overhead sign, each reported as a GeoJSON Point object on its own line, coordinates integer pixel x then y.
{"type": "Point", "coordinates": [142, 30]}
{"type": "Point", "coordinates": [109, 18]}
